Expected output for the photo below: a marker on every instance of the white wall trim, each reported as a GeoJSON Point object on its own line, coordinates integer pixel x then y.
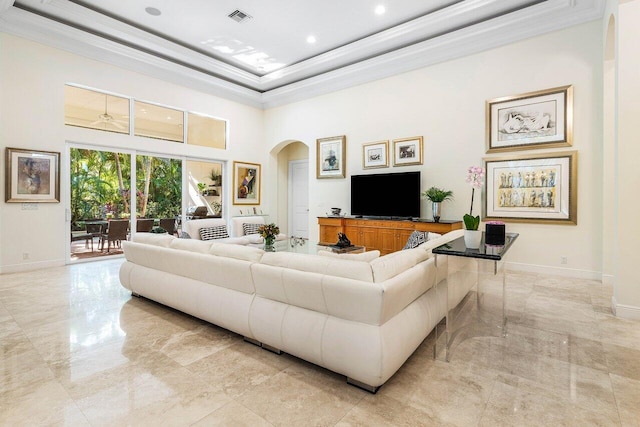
{"type": "Point", "coordinates": [607, 279]}
{"type": "Point", "coordinates": [30, 266]}
{"type": "Point", "coordinates": [558, 271]}
{"type": "Point", "coordinates": [625, 311]}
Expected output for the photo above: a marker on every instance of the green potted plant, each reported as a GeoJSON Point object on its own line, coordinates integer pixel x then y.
{"type": "Point", "coordinates": [202, 187]}
{"type": "Point", "coordinates": [436, 196]}
{"type": "Point", "coordinates": [215, 177]}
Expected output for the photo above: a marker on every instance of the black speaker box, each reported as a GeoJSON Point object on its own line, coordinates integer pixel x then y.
{"type": "Point", "coordinates": [494, 234]}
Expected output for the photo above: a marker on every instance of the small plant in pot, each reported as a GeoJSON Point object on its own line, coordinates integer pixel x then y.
{"type": "Point", "coordinates": [436, 196]}
{"type": "Point", "coordinates": [473, 236]}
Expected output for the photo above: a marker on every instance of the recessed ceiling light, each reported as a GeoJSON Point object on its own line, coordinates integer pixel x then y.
{"type": "Point", "coordinates": [153, 11]}
{"type": "Point", "coordinates": [380, 10]}
{"type": "Point", "coordinates": [311, 39]}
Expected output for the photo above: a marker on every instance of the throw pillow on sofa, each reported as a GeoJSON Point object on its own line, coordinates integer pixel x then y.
{"type": "Point", "coordinates": [250, 228]}
{"type": "Point", "coordinates": [419, 237]}
{"type": "Point", "coordinates": [212, 233]}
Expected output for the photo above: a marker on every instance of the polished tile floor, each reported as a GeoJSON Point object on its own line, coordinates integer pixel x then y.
{"type": "Point", "coordinates": [76, 349]}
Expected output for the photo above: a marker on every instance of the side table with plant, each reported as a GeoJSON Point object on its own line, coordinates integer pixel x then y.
{"type": "Point", "coordinates": [436, 196]}
{"type": "Point", "coordinates": [473, 236]}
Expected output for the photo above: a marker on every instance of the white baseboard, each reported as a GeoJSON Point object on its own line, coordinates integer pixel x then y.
{"type": "Point", "coordinates": [30, 266]}
{"type": "Point", "coordinates": [558, 271]}
{"type": "Point", "coordinates": [625, 311]}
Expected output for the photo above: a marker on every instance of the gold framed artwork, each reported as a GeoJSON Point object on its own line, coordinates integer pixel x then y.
{"type": "Point", "coordinates": [330, 157]}
{"type": "Point", "coordinates": [246, 183]}
{"type": "Point", "coordinates": [32, 176]}
{"type": "Point", "coordinates": [538, 188]}
{"type": "Point", "coordinates": [541, 119]}
{"type": "Point", "coordinates": [407, 151]}
{"type": "Point", "coordinates": [375, 155]}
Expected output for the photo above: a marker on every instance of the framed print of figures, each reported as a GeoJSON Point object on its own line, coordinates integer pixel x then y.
{"type": "Point", "coordinates": [375, 155]}
{"type": "Point", "coordinates": [330, 154]}
{"type": "Point", "coordinates": [542, 119]}
{"type": "Point", "coordinates": [539, 188]}
{"type": "Point", "coordinates": [246, 183]}
{"type": "Point", "coordinates": [407, 151]}
{"type": "Point", "coordinates": [32, 176]}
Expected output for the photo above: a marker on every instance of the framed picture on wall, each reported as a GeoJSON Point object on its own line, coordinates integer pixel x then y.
{"type": "Point", "coordinates": [537, 188]}
{"type": "Point", "coordinates": [32, 176]}
{"type": "Point", "coordinates": [375, 155]}
{"type": "Point", "coordinates": [542, 119]}
{"type": "Point", "coordinates": [331, 157]}
{"type": "Point", "coordinates": [246, 183]}
{"type": "Point", "coordinates": [407, 151]}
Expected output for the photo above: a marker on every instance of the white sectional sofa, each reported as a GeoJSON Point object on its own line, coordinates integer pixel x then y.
{"type": "Point", "coordinates": [354, 315]}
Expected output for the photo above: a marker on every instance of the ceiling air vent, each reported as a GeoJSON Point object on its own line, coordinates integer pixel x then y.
{"type": "Point", "coordinates": [239, 16]}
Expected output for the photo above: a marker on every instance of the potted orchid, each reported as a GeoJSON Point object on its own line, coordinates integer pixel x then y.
{"type": "Point", "coordinates": [473, 236]}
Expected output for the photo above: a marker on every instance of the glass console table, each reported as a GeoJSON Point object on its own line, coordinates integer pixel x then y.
{"type": "Point", "coordinates": [474, 292]}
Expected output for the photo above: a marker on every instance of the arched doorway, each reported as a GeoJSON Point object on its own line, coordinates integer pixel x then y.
{"type": "Point", "coordinates": [292, 186]}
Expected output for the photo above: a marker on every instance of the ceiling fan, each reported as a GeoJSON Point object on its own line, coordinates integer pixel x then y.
{"type": "Point", "coordinates": [107, 119]}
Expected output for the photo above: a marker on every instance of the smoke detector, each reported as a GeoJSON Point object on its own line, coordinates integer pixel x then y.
{"type": "Point", "coordinates": [239, 16]}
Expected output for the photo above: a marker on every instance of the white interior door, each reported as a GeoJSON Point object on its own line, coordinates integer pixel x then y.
{"type": "Point", "coordinates": [299, 198]}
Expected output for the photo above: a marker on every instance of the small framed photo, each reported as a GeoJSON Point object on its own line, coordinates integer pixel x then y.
{"type": "Point", "coordinates": [375, 155]}
{"type": "Point", "coordinates": [32, 176]}
{"type": "Point", "coordinates": [407, 151]}
{"type": "Point", "coordinates": [246, 183]}
{"type": "Point", "coordinates": [539, 188]}
{"type": "Point", "coordinates": [330, 155]}
{"type": "Point", "coordinates": [542, 119]}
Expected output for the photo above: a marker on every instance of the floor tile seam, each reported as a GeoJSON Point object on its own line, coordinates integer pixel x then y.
{"type": "Point", "coordinates": [236, 401]}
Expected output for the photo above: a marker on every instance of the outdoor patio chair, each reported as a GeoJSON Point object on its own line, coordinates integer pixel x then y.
{"type": "Point", "coordinates": [169, 224]}
{"type": "Point", "coordinates": [144, 225]}
{"type": "Point", "coordinates": [96, 229]}
{"type": "Point", "coordinates": [116, 233]}
{"type": "Point", "coordinates": [82, 235]}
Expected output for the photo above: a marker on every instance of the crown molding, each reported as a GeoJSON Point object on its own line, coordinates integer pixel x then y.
{"type": "Point", "coordinates": [177, 64]}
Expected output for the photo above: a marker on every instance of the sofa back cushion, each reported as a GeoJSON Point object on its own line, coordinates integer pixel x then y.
{"type": "Point", "coordinates": [349, 269]}
{"type": "Point", "coordinates": [246, 253]}
{"type": "Point", "coordinates": [237, 224]}
{"type": "Point", "coordinates": [391, 265]}
{"type": "Point", "coordinates": [364, 256]}
{"type": "Point", "coordinates": [164, 239]}
{"type": "Point", "coordinates": [191, 245]}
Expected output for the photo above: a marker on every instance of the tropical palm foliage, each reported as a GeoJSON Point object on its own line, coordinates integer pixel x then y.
{"type": "Point", "coordinates": [100, 183]}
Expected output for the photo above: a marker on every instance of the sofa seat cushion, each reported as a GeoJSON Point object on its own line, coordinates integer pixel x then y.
{"type": "Point", "coordinates": [364, 256]}
{"type": "Point", "coordinates": [213, 233]}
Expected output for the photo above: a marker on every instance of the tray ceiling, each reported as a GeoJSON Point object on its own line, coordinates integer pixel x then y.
{"type": "Point", "coordinates": [265, 59]}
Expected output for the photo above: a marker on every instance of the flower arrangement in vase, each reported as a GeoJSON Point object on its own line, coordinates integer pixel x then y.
{"type": "Point", "coordinates": [473, 236]}
{"type": "Point", "coordinates": [269, 233]}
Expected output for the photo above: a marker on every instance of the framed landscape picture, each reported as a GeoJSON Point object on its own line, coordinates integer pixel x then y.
{"type": "Point", "coordinates": [375, 155]}
{"type": "Point", "coordinates": [537, 188]}
{"type": "Point", "coordinates": [32, 176]}
{"type": "Point", "coordinates": [407, 151]}
{"type": "Point", "coordinates": [246, 183]}
{"type": "Point", "coordinates": [330, 155]}
{"type": "Point", "coordinates": [542, 119]}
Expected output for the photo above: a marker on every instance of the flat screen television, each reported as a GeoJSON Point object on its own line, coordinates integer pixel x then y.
{"type": "Point", "coordinates": [386, 195]}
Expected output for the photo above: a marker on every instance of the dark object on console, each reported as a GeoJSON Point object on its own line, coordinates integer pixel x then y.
{"type": "Point", "coordinates": [494, 233]}
{"type": "Point", "coordinates": [343, 241]}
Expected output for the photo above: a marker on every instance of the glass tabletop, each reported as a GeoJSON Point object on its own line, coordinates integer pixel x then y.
{"type": "Point", "coordinates": [494, 252]}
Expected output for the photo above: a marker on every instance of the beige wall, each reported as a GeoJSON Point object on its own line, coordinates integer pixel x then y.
{"type": "Point", "coordinates": [32, 79]}
{"type": "Point", "coordinates": [627, 279]}
{"type": "Point", "coordinates": [445, 103]}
